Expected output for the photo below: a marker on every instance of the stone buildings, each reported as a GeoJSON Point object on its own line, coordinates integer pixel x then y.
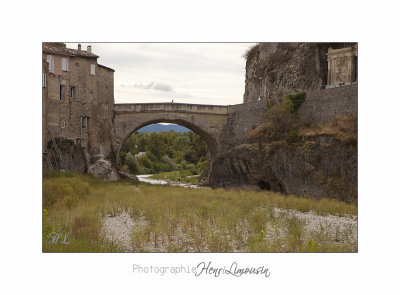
{"type": "Point", "coordinates": [78, 100]}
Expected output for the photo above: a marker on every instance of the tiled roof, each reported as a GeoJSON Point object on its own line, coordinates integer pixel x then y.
{"type": "Point", "coordinates": [107, 68]}
{"type": "Point", "coordinates": [59, 49]}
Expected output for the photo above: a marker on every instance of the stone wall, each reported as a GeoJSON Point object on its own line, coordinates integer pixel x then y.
{"type": "Point", "coordinates": [242, 118]}
{"type": "Point", "coordinates": [324, 104]}
{"type": "Point", "coordinates": [330, 170]}
{"type": "Point", "coordinates": [73, 156]}
{"type": "Point", "coordinates": [320, 106]}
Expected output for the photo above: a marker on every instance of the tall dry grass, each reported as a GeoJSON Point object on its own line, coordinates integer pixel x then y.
{"type": "Point", "coordinates": [175, 219]}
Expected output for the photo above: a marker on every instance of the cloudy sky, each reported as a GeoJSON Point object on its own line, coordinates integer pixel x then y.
{"type": "Point", "coordinates": [204, 73]}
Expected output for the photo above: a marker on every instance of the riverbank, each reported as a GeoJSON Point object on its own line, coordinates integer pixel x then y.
{"type": "Point", "coordinates": [122, 217]}
{"type": "Point", "coordinates": [168, 178]}
{"type": "Point", "coordinates": [184, 176]}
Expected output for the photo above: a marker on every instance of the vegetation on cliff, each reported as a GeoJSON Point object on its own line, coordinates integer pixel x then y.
{"type": "Point", "coordinates": [175, 219]}
{"type": "Point", "coordinates": [324, 154]}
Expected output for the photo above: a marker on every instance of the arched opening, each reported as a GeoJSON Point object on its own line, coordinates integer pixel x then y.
{"type": "Point", "coordinates": [178, 155]}
{"type": "Point", "coordinates": [264, 185]}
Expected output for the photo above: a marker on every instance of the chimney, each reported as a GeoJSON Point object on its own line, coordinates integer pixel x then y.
{"type": "Point", "coordinates": [79, 47]}
{"type": "Point", "coordinates": [89, 49]}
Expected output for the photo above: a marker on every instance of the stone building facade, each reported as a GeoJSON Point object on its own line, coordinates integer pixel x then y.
{"type": "Point", "coordinates": [78, 100]}
{"type": "Point", "coordinates": [342, 66]}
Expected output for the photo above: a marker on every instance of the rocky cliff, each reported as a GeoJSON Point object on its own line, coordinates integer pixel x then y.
{"type": "Point", "coordinates": [317, 162]}
{"type": "Point", "coordinates": [276, 69]}
{"type": "Point", "coordinates": [311, 152]}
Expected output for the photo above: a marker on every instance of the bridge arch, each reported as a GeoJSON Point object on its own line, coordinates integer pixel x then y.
{"type": "Point", "coordinates": [207, 121]}
{"type": "Point", "coordinates": [208, 138]}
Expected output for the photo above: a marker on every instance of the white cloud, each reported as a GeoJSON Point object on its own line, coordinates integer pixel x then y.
{"type": "Point", "coordinates": [155, 86]}
{"type": "Point", "coordinates": [206, 73]}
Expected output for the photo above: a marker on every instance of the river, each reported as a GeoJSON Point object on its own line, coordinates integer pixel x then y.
{"type": "Point", "coordinates": [146, 178]}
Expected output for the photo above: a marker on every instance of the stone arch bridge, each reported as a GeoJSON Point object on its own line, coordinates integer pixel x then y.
{"type": "Point", "coordinates": [209, 121]}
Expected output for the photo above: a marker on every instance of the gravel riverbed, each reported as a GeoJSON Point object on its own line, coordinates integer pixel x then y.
{"type": "Point", "coordinates": [118, 229]}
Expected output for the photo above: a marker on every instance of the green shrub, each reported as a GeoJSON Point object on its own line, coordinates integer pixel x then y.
{"type": "Point", "coordinates": [145, 161]}
{"type": "Point", "coordinates": [294, 100]}
{"type": "Point", "coordinates": [293, 136]}
{"type": "Point", "coordinates": [131, 162]}
{"type": "Point", "coordinates": [200, 166]}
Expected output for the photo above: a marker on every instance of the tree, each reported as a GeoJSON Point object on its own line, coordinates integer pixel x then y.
{"type": "Point", "coordinates": [131, 163]}
{"type": "Point", "coordinates": [200, 146]}
{"type": "Point", "coordinates": [179, 158]}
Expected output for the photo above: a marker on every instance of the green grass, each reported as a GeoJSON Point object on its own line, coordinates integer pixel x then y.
{"type": "Point", "coordinates": [184, 176]}
{"type": "Point", "coordinates": [176, 219]}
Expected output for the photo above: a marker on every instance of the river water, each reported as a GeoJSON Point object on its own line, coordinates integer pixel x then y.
{"type": "Point", "coordinates": [146, 178]}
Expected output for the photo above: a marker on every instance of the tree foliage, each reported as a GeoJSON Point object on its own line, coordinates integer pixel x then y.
{"type": "Point", "coordinates": [148, 153]}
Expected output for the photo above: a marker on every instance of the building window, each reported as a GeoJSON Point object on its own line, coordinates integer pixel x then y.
{"type": "Point", "coordinates": [44, 80]}
{"type": "Point", "coordinates": [92, 69]}
{"type": "Point", "coordinates": [106, 90]}
{"type": "Point", "coordinates": [91, 96]}
{"type": "Point", "coordinates": [72, 93]}
{"type": "Point", "coordinates": [62, 92]}
{"type": "Point", "coordinates": [62, 124]}
{"type": "Point", "coordinates": [64, 64]}
{"type": "Point", "coordinates": [50, 60]}
{"type": "Point", "coordinates": [77, 65]}
{"type": "Point", "coordinates": [84, 125]}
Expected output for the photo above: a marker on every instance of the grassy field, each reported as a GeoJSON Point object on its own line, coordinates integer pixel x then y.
{"type": "Point", "coordinates": [185, 176]}
{"type": "Point", "coordinates": [176, 219]}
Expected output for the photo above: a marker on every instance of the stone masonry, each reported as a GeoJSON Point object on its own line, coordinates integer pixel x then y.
{"type": "Point", "coordinates": [78, 100]}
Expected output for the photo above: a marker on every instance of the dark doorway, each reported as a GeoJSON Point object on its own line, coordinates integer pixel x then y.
{"type": "Point", "coordinates": [264, 185]}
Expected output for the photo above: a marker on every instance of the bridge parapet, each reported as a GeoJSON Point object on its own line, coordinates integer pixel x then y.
{"type": "Point", "coordinates": [170, 107]}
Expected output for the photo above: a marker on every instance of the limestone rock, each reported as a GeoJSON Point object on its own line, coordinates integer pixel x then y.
{"type": "Point", "coordinates": [103, 169]}
{"type": "Point", "coordinates": [276, 69]}
{"type": "Point", "coordinates": [329, 169]}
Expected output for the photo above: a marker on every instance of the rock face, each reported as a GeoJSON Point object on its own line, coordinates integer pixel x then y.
{"type": "Point", "coordinates": [276, 69]}
{"type": "Point", "coordinates": [103, 168]}
{"type": "Point", "coordinates": [322, 167]}
{"type": "Point", "coordinates": [72, 155]}
{"type": "Point", "coordinates": [318, 164]}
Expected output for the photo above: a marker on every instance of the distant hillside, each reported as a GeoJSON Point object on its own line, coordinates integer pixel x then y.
{"type": "Point", "coordinates": [165, 128]}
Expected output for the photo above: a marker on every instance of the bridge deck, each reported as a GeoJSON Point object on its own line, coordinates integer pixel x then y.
{"type": "Point", "coordinates": [170, 107]}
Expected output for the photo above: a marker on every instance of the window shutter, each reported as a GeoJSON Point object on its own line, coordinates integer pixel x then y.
{"type": "Point", "coordinates": [64, 64]}
{"type": "Point", "coordinates": [44, 80]}
{"type": "Point", "coordinates": [50, 60]}
{"type": "Point", "coordinates": [92, 69]}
